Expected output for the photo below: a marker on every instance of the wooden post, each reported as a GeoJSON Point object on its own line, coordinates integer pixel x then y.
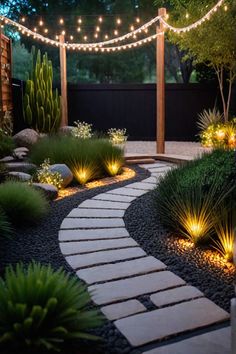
{"type": "Point", "coordinates": [160, 77]}
{"type": "Point", "coordinates": [64, 103]}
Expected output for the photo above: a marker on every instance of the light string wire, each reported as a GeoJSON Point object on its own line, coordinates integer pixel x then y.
{"type": "Point", "coordinates": [100, 46]}
{"type": "Point", "coordinates": [195, 24]}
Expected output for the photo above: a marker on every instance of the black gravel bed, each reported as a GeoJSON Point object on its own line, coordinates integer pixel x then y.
{"type": "Point", "coordinates": [40, 243]}
{"type": "Point", "coordinates": [191, 264]}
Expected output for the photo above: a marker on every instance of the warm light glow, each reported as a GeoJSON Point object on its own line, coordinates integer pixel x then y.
{"type": "Point", "coordinates": [220, 134]}
{"type": "Point", "coordinates": [225, 243]}
{"type": "Point", "coordinates": [45, 30]}
{"type": "Point", "coordinates": [80, 20]}
{"type": "Point", "coordinates": [100, 19]}
{"type": "Point", "coordinates": [116, 33]}
{"type": "Point", "coordinates": [132, 27]}
{"type": "Point", "coordinates": [41, 23]}
{"type": "Point", "coordinates": [113, 166]}
{"type": "Point", "coordinates": [23, 19]}
{"type": "Point", "coordinates": [118, 21]}
{"type": "Point", "coordinates": [78, 29]}
{"type": "Point", "coordinates": [106, 36]}
{"type": "Point", "coordinates": [138, 20]}
{"type": "Point", "coordinates": [85, 38]}
{"type": "Point", "coordinates": [71, 38]}
{"type": "Point", "coordinates": [187, 15]}
{"type": "Point", "coordinates": [61, 21]}
{"type": "Point", "coordinates": [226, 8]}
{"type": "Point", "coordinates": [98, 29]}
{"type": "Point", "coordinates": [63, 33]}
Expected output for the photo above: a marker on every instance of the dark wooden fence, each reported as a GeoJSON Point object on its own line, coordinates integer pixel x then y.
{"type": "Point", "coordinates": [134, 107]}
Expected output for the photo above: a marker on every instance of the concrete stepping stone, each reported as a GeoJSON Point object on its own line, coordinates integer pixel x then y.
{"type": "Point", "coordinates": [90, 259]}
{"type": "Point", "coordinates": [123, 309]}
{"type": "Point", "coordinates": [96, 213]}
{"type": "Point", "coordinates": [159, 324]}
{"type": "Point", "coordinates": [176, 295]}
{"type": "Point", "coordinates": [152, 180]}
{"type": "Point", "coordinates": [130, 288]}
{"type": "Point", "coordinates": [114, 198]}
{"type": "Point", "coordinates": [128, 191]}
{"type": "Point", "coordinates": [85, 223]}
{"type": "Point", "coordinates": [95, 204]}
{"type": "Point", "coordinates": [153, 165]}
{"type": "Point", "coordinates": [215, 342]}
{"type": "Point", "coordinates": [69, 248]}
{"type": "Point", "coordinates": [96, 234]}
{"type": "Point", "coordinates": [120, 270]}
{"type": "Point", "coordinates": [160, 170]}
{"type": "Point", "coordinates": [142, 186]}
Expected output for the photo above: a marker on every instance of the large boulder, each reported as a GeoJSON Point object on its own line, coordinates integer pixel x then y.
{"type": "Point", "coordinates": [26, 138]}
{"type": "Point", "coordinates": [20, 176]}
{"type": "Point", "coordinates": [65, 173]}
{"type": "Point", "coordinates": [50, 192]}
{"type": "Point", "coordinates": [66, 130]}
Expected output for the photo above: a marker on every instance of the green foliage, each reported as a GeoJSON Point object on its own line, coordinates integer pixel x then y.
{"type": "Point", "coordinates": [5, 226]}
{"type": "Point", "coordinates": [207, 118]}
{"type": "Point", "coordinates": [43, 309]}
{"type": "Point", "coordinates": [76, 153]}
{"type": "Point", "coordinates": [41, 105]}
{"type": "Point", "coordinates": [22, 203]}
{"type": "Point", "coordinates": [22, 60]}
{"type": "Point", "coordinates": [44, 175]}
{"type": "Point", "coordinates": [6, 144]}
{"type": "Point", "coordinates": [198, 185]}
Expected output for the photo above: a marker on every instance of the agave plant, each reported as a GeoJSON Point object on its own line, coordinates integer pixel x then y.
{"type": "Point", "coordinates": [43, 309]}
{"type": "Point", "coordinates": [208, 118]}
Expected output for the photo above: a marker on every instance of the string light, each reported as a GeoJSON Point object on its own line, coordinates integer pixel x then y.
{"type": "Point", "coordinates": [102, 46]}
{"type": "Point", "coordinates": [80, 21]}
{"type": "Point", "coordinates": [61, 21]}
{"type": "Point", "coordinates": [138, 20]}
{"type": "Point", "coordinates": [118, 21]}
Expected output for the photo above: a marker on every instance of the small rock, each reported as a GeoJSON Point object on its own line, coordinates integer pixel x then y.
{"type": "Point", "coordinates": [20, 155]}
{"type": "Point", "coordinates": [7, 159]}
{"type": "Point", "coordinates": [21, 149]}
{"type": "Point", "coordinates": [20, 167]}
{"type": "Point", "coordinates": [65, 173]}
{"type": "Point", "coordinates": [51, 192]}
{"type": "Point", "coordinates": [20, 176]}
{"type": "Point", "coordinates": [26, 138]}
{"type": "Point", "coordinates": [66, 130]}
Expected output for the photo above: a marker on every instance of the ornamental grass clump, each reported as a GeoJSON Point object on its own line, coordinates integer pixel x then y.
{"type": "Point", "coordinates": [43, 309]}
{"type": "Point", "coordinates": [44, 175]}
{"type": "Point", "coordinates": [7, 144]}
{"type": "Point", "coordinates": [22, 203]}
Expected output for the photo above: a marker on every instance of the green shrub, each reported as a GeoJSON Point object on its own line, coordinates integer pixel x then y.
{"type": "Point", "coordinates": [6, 145]}
{"type": "Point", "coordinates": [78, 154]}
{"type": "Point", "coordinates": [5, 226]}
{"type": "Point", "coordinates": [43, 309]}
{"type": "Point", "coordinates": [22, 203]}
{"type": "Point", "coordinates": [200, 184]}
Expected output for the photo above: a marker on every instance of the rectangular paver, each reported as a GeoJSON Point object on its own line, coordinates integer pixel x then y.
{"type": "Point", "coordinates": [215, 342]}
{"type": "Point", "coordinates": [69, 248]}
{"type": "Point", "coordinates": [122, 309]}
{"type": "Point", "coordinates": [142, 186]}
{"type": "Point", "coordinates": [152, 180]}
{"type": "Point", "coordinates": [85, 223]}
{"type": "Point", "coordinates": [95, 204]}
{"type": "Point", "coordinates": [90, 259]}
{"type": "Point", "coordinates": [172, 296]}
{"type": "Point", "coordinates": [130, 288]}
{"type": "Point", "coordinates": [96, 213]}
{"type": "Point", "coordinates": [156, 325]}
{"type": "Point", "coordinates": [153, 165]}
{"type": "Point", "coordinates": [96, 234]}
{"type": "Point", "coordinates": [114, 198]}
{"type": "Point", "coordinates": [128, 191]}
{"type": "Point", "coordinates": [160, 170]}
{"type": "Point", "coordinates": [120, 270]}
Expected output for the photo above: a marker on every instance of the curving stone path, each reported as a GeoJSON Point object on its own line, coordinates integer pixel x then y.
{"type": "Point", "coordinates": [96, 244]}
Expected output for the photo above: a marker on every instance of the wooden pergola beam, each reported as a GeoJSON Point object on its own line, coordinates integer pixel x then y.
{"type": "Point", "coordinates": [160, 83]}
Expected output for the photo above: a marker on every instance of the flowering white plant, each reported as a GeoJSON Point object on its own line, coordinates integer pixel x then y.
{"type": "Point", "coordinates": [117, 136]}
{"type": "Point", "coordinates": [49, 177]}
{"type": "Point", "coordinates": [82, 130]}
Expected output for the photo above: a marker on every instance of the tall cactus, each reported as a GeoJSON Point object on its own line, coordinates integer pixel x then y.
{"type": "Point", "coordinates": [42, 106]}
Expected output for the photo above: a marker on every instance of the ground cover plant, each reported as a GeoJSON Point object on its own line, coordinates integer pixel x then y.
{"type": "Point", "coordinates": [190, 199]}
{"type": "Point", "coordinates": [6, 144]}
{"type": "Point", "coordinates": [87, 158]}
{"type": "Point", "coordinates": [42, 309]}
{"type": "Point", "coordinates": [22, 203]}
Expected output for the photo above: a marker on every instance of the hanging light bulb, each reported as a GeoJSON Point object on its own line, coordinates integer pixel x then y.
{"type": "Point", "coordinates": [23, 19]}
{"type": "Point", "coordinates": [35, 29]}
{"type": "Point", "coordinates": [85, 38]}
{"type": "Point", "coordinates": [41, 23]}
{"type": "Point", "coordinates": [132, 28]}
{"type": "Point", "coordinates": [100, 19]}
{"type": "Point", "coordinates": [45, 30]}
{"type": "Point", "coordinates": [118, 21]}
{"type": "Point", "coordinates": [95, 35]}
{"type": "Point", "coordinates": [106, 36]}
{"type": "Point", "coordinates": [98, 29]}
{"type": "Point", "coordinates": [63, 32]}
{"type": "Point", "coordinates": [61, 21]}
{"type": "Point", "coordinates": [226, 8]}
{"type": "Point", "coordinates": [116, 33]}
{"type": "Point", "coordinates": [78, 29]}
{"type": "Point", "coordinates": [80, 20]}
{"type": "Point", "coordinates": [187, 15]}
{"type": "Point", "coordinates": [71, 38]}
{"type": "Point", "coordinates": [138, 20]}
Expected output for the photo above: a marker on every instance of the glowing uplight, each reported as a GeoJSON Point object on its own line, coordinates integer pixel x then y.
{"type": "Point", "coordinates": [225, 243]}
{"type": "Point", "coordinates": [113, 167]}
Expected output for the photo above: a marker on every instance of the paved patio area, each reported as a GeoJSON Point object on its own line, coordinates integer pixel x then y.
{"type": "Point", "coordinates": [183, 148]}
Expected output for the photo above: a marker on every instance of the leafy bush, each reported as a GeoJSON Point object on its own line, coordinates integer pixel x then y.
{"type": "Point", "coordinates": [6, 144]}
{"type": "Point", "coordinates": [78, 154]}
{"type": "Point", "coordinates": [199, 185]}
{"type": "Point", "coordinates": [22, 203]}
{"type": "Point", "coordinates": [43, 309]}
{"type": "Point", "coordinates": [44, 175]}
{"type": "Point", "coordinates": [5, 226]}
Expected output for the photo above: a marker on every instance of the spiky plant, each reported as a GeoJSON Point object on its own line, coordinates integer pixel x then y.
{"type": "Point", "coordinates": [208, 118]}
{"type": "Point", "coordinates": [5, 226]}
{"type": "Point", "coordinates": [42, 107]}
{"type": "Point", "coordinates": [43, 309]}
{"type": "Point", "coordinates": [84, 171]}
{"type": "Point", "coordinates": [225, 231]}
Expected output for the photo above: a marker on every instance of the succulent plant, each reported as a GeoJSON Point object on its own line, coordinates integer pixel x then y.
{"type": "Point", "coordinates": [41, 104]}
